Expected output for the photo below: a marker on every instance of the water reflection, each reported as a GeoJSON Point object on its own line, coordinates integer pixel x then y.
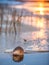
{"type": "Point", "coordinates": [38, 37]}
{"type": "Point", "coordinates": [18, 58]}
{"type": "Point", "coordinates": [22, 23]}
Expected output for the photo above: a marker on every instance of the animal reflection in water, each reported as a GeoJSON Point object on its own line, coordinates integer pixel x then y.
{"type": "Point", "coordinates": [18, 53]}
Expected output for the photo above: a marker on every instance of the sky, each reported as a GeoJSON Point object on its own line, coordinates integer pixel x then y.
{"type": "Point", "coordinates": [9, 2]}
{"type": "Point", "coordinates": [23, 0]}
{"type": "Point", "coordinates": [17, 2]}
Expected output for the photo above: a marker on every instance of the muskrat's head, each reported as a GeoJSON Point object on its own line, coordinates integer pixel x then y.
{"type": "Point", "coordinates": [18, 54]}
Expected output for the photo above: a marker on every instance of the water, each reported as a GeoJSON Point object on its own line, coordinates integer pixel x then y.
{"type": "Point", "coordinates": [37, 39]}
{"type": "Point", "coordinates": [35, 33]}
{"type": "Point", "coordinates": [33, 59]}
{"type": "Point", "coordinates": [35, 30]}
